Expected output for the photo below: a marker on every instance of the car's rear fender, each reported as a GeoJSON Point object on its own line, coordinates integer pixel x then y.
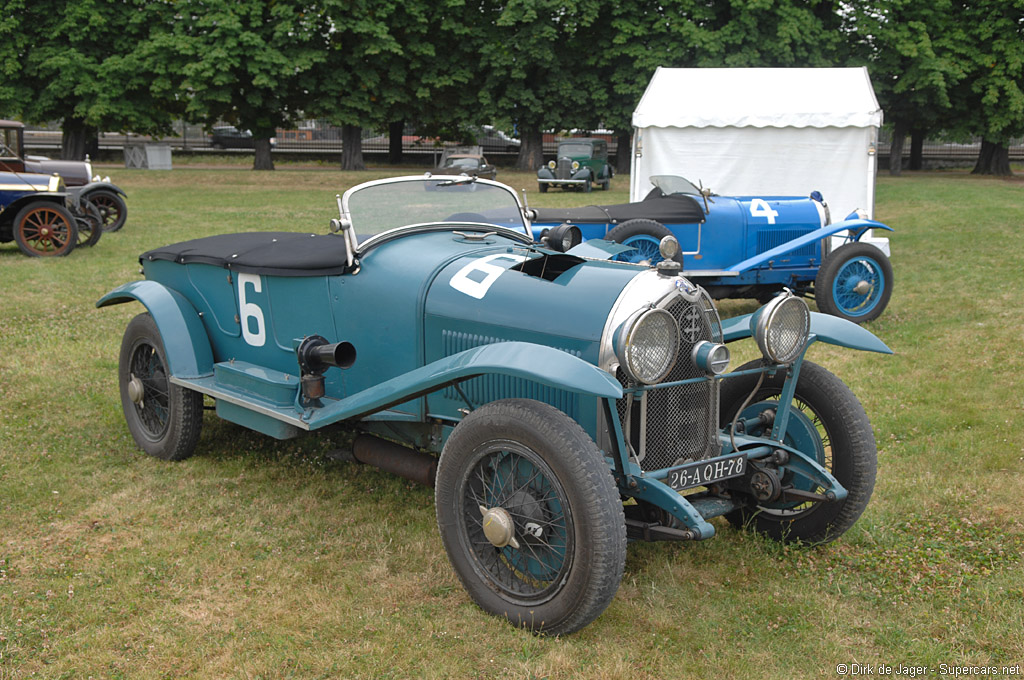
{"type": "Point", "coordinates": [824, 328]}
{"type": "Point", "coordinates": [855, 226]}
{"type": "Point", "coordinates": [186, 344]}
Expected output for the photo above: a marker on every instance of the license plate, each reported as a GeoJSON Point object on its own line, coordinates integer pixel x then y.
{"type": "Point", "coordinates": [707, 472]}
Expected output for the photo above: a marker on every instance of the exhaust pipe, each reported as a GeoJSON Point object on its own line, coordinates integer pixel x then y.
{"type": "Point", "coordinates": [395, 458]}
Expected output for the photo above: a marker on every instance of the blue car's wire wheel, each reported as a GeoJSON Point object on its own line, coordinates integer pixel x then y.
{"type": "Point", "coordinates": [530, 516]}
{"type": "Point", "coordinates": [855, 283]}
{"type": "Point", "coordinates": [643, 235]}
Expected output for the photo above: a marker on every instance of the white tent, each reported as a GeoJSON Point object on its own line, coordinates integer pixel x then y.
{"type": "Point", "coordinates": [761, 131]}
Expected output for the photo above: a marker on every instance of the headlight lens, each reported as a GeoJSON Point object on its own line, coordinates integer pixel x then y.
{"type": "Point", "coordinates": [551, 164]}
{"type": "Point", "coordinates": [782, 327]}
{"type": "Point", "coordinates": [575, 165]}
{"type": "Point", "coordinates": [647, 345]}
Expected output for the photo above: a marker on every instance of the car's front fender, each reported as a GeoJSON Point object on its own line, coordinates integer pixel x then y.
{"type": "Point", "coordinates": [824, 328]}
{"type": "Point", "coordinates": [545, 173]}
{"type": "Point", "coordinates": [538, 363]}
{"type": "Point", "coordinates": [855, 226]}
{"type": "Point", "coordinates": [185, 341]}
{"type": "Point", "coordinates": [110, 186]}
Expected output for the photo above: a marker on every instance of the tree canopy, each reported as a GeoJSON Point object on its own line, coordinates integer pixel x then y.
{"type": "Point", "coordinates": [526, 65]}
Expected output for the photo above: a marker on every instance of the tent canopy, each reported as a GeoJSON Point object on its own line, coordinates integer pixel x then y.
{"type": "Point", "coordinates": [758, 97]}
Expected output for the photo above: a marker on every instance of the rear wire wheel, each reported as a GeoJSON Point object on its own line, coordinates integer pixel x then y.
{"type": "Point", "coordinates": [165, 419]}
{"type": "Point", "coordinates": [530, 516]}
{"type": "Point", "coordinates": [645, 236]}
{"type": "Point", "coordinates": [829, 424]}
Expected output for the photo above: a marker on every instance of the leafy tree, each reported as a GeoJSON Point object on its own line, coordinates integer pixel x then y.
{"type": "Point", "coordinates": [86, 63]}
{"type": "Point", "coordinates": [987, 39]}
{"type": "Point", "coordinates": [533, 69]}
{"type": "Point", "coordinates": [912, 69]}
{"type": "Point", "coordinates": [246, 62]}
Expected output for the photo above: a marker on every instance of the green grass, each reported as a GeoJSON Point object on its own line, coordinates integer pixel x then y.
{"type": "Point", "coordinates": [259, 558]}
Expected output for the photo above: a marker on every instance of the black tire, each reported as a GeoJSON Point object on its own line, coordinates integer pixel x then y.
{"type": "Point", "coordinates": [112, 208]}
{"type": "Point", "coordinates": [45, 229]}
{"type": "Point", "coordinates": [542, 187]}
{"type": "Point", "coordinates": [90, 224]}
{"type": "Point", "coordinates": [643, 234]}
{"type": "Point", "coordinates": [847, 451]}
{"type": "Point", "coordinates": [842, 274]}
{"type": "Point", "coordinates": [534, 463]}
{"type": "Point", "coordinates": [165, 420]}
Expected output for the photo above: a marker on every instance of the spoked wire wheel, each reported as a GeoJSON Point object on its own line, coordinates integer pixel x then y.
{"type": "Point", "coordinates": [828, 424]}
{"type": "Point", "coordinates": [530, 516]}
{"type": "Point", "coordinates": [509, 478]}
{"type": "Point", "coordinates": [164, 419]}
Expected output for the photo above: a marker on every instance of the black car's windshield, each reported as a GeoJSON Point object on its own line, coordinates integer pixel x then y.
{"type": "Point", "coordinates": [467, 163]}
{"type": "Point", "coordinates": [380, 206]}
{"type": "Point", "coordinates": [674, 184]}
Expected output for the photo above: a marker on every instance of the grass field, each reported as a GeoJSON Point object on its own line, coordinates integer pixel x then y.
{"type": "Point", "coordinates": [267, 559]}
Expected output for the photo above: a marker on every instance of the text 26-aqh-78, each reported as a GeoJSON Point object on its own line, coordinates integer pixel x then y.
{"type": "Point", "coordinates": [559, 402]}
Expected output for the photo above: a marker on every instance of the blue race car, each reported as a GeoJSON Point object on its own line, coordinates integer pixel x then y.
{"type": "Point", "coordinates": [745, 246]}
{"type": "Point", "coordinates": [536, 390]}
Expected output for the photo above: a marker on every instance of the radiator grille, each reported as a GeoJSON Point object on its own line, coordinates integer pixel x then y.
{"type": "Point", "coordinates": [678, 424]}
{"type": "Point", "coordinates": [770, 238]}
{"type": "Point", "coordinates": [564, 169]}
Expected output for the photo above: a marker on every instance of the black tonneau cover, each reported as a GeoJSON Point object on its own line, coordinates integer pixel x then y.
{"type": "Point", "coordinates": [277, 253]}
{"type": "Point", "coordinates": [675, 209]}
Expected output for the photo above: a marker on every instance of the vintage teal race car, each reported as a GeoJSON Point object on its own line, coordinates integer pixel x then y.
{"type": "Point", "coordinates": [559, 402]}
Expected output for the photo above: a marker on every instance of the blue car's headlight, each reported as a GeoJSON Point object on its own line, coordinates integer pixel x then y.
{"type": "Point", "coordinates": [781, 328]}
{"type": "Point", "coordinates": [647, 344]}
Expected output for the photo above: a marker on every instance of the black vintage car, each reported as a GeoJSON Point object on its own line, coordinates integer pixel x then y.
{"type": "Point", "coordinates": [78, 176]}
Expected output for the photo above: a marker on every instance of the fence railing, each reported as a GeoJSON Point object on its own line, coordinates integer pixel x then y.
{"type": "Point", "coordinates": [324, 139]}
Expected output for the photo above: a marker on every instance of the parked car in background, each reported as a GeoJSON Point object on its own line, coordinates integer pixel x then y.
{"type": "Point", "coordinates": [580, 163]}
{"type": "Point", "coordinates": [536, 390]}
{"type": "Point", "coordinates": [78, 176]}
{"type": "Point", "coordinates": [745, 246]}
{"type": "Point", "coordinates": [465, 161]}
{"type": "Point", "coordinates": [230, 137]}
{"type": "Point", "coordinates": [492, 140]}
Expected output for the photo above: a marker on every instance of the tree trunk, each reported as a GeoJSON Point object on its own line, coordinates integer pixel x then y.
{"type": "Point", "coordinates": [352, 148]}
{"type": "Point", "coordinates": [263, 160]}
{"type": "Point", "coordinates": [531, 152]}
{"type": "Point", "coordinates": [899, 135]}
{"type": "Point", "coordinates": [395, 130]}
{"type": "Point", "coordinates": [77, 139]}
{"type": "Point", "coordinates": [623, 151]}
{"type": "Point", "coordinates": [916, 149]}
{"type": "Point", "coordinates": [993, 159]}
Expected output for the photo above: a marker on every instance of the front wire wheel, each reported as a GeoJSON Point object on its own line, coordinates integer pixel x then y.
{"type": "Point", "coordinates": [828, 424]}
{"type": "Point", "coordinates": [90, 223]}
{"type": "Point", "coordinates": [854, 283]}
{"type": "Point", "coordinates": [530, 516]}
{"type": "Point", "coordinates": [164, 419]}
{"type": "Point", "coordinates": [111, 206]}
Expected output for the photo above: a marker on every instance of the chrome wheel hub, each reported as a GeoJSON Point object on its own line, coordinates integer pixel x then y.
{"type": "Point", "coordinates": [498, 527]}
{"type": "Point", "coordinates": [135, 390]}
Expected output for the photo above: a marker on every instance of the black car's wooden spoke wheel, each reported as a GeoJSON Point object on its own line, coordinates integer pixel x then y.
{"type": "Point", "coordinates": [111, 206]}
{"type": "Point", "coordinates": [165, 420]}
{"type": "Point", "coordinates": [530, 516]}
{"type": "Point", "coordinates": [45, 230]}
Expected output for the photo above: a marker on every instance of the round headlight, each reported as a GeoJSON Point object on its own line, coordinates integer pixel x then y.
{"type": "Point", "coordinates": [551, 164]}
{"type": "Point", "coordinates": [710, 357]}
{"type": "Point", "coordinates": [782, 327]}
{"type": "Point", "coordinates": [647, 345]}
{"type": "Point", "coordinates": [575, 165]}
